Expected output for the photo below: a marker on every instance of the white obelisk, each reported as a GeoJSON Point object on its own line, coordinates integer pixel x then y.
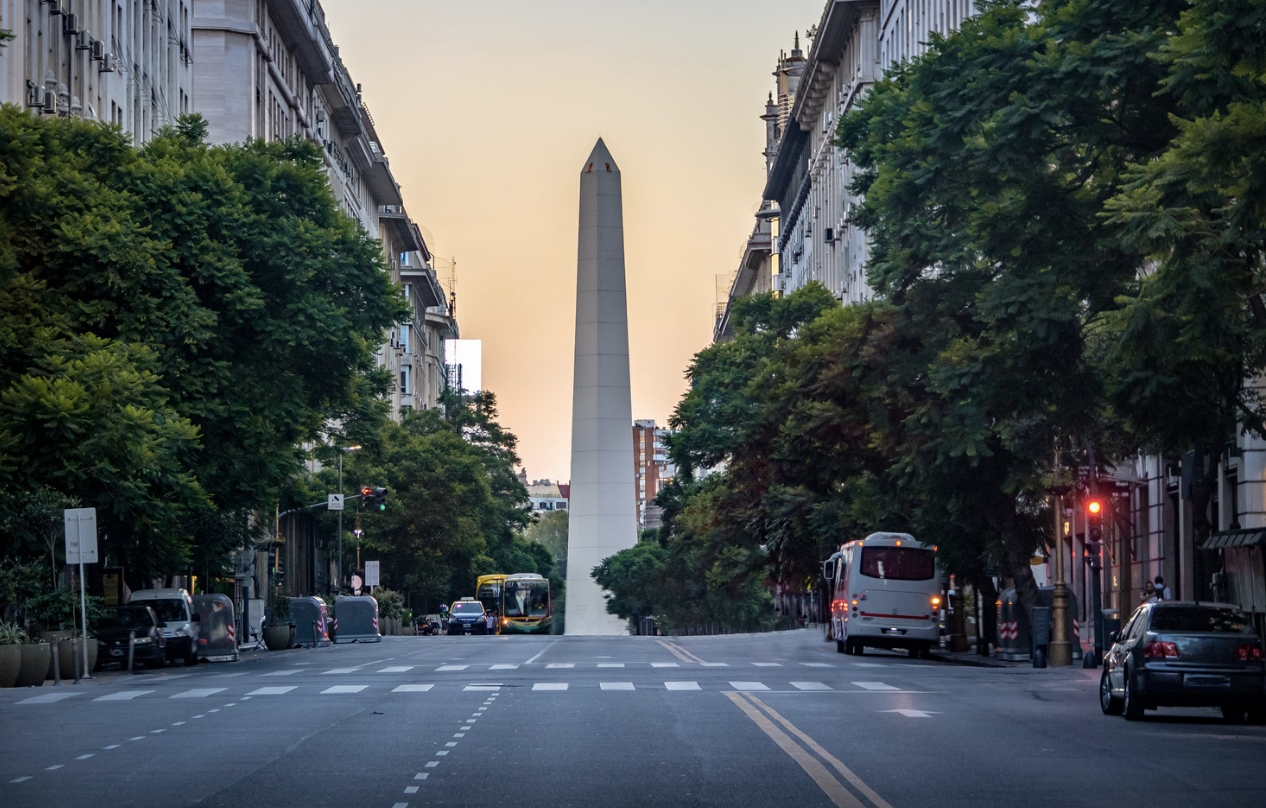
{"type": "Point", "coordinates": [602, 518]}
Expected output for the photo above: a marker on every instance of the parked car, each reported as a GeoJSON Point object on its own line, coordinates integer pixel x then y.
{"type": "Point", "coordinates": [467, 617]}
{"type": "Point", "coordinates": [1173, 654]}
{"type": "Point", "coordinates": [177, 618]}
{"type": "Point", "coordinates": [118, 623]}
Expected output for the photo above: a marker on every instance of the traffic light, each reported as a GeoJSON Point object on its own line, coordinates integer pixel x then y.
{"type": "Point", "coordinates": [366, 492]}
{"type": "Point", "coordinates": [380, 498]}
{"type": "Point", "coordinates": [1094, 529]}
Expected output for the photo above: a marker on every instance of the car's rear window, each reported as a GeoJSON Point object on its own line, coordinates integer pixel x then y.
{"type": "Point", "coordinates": [1200, 619]}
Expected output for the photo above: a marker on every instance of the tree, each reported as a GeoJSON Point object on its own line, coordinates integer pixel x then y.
{"type": "Point", "coordinates": [986, 165]}
{"type": "Point", "coordinates": [551, 531]}
{"type": "Point", "coordinates": [1190, 338]}
{"type": "Point", "coordinates": [211, 307]}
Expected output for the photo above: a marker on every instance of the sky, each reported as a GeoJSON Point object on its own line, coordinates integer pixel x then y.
{"type": "Point", "coordinates": [487, 111]}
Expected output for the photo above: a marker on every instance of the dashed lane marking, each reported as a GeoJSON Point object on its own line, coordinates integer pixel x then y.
{"type": "Point", "coordinates": [20, 779]}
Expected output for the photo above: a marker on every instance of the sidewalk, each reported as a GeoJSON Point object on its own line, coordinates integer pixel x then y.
{"type": "Point", "coordinates": [975, 660]}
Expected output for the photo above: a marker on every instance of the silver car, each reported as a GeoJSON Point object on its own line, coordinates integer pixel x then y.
{"type": "Point", "coordinates": [1181, 654]}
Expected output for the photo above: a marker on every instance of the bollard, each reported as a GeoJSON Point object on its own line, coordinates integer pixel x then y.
{"type": "Point", "coordinates": [57, 665]}
{"type": "Point", "coordinates": [74, 651]}
{"type": "Point", "coordinates": [131, 650]}
{"type": "Point", "coordinates": [315, 639]}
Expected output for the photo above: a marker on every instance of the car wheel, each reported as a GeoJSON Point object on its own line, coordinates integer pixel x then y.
{"type": "Point", "coordinates": [1132, 705]}
{"type": "Point", "coordinates": [1109, 703]}
{"type": "Point", "coordinates": [1234, 712]}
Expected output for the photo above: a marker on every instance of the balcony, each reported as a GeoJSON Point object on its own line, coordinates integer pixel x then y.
{"type": "Point", "coordinates": [302, 23]}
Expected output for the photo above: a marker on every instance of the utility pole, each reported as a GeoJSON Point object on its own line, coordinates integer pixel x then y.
{"type": "Point", "coordinates": [338, 586]}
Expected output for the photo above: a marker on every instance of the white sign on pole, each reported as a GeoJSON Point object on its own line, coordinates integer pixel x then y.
{"type": "Point", "coordinates": [335, 502]}
{"type": "Point", "coordinates": [371, 573]}
{"type": "Point", "coordinates": [81, 535]}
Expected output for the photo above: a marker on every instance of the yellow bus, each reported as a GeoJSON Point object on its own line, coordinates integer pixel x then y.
{"type": "Point", "coordinates": [520, 601]}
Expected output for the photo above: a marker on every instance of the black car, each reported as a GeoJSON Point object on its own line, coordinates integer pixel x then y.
{"type": "Point", "coordinates": [1176, 654]}
{"type": "Point", "coordinates": [114, 628]}
{"type": "Point", "coordinates": [467, 617]}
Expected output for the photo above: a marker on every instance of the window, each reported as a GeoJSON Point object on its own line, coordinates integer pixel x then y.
{"type": "Point", "coordinates": [405, 386]}
{"type": "Point", "coordinates": [898, 563]}
{"type": "Point", "coordinates": [404, 337]}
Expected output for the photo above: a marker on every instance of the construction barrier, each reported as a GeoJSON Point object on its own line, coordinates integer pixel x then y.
{"type": "Point", "coordinates": [1015, 636]}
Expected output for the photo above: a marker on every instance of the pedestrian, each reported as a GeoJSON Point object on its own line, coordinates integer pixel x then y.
{"type": "Point", "coordinates": [1149, 593]}
{"type": "Point", "coordinates": [1162, 591]}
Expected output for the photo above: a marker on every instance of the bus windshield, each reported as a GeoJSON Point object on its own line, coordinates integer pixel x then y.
{"type": "Point", "coordinates": [527, 598]}
{"type": "Point", "coordinates": [898, 563]}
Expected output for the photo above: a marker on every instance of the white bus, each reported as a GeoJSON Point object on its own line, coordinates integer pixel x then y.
{"type": "Point", "coordinates": [886, 595]}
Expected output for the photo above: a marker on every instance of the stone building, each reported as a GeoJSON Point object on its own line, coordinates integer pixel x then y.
{"type": "Point", "coordinates": [127, 62]}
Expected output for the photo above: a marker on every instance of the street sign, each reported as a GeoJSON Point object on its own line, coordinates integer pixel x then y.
{"type": "Point", "coordinates": [81, 535]}
{"type": "Point", "coordinates": [371, 573]}
{"type": "Point", "coordinates": [335, 502]}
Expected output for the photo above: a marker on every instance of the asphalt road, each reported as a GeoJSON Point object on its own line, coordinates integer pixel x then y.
{"type": "Point", "coordinates": [747, 720]}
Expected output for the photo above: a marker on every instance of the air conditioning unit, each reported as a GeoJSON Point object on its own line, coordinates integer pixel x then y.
{"type": "Point", "coordinates": [54, 7]}
{"type": "Point", "coordinates": [70, 24]}
{"type": "Point", "coordinates": [107, 63]}
{"type": "Point", "coordinates": [98, 50]}
{"type": "Point", "coordinates": [84, 41]}
{"type": "Point", "coordinates": [35, 97]}
{"type": "Point", "coordinates": [50, 103]}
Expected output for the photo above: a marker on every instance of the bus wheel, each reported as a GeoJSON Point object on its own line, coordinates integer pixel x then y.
{"type": "Point", "coordinates": [854, 648]}
{"type": "Point", "coordinates": [840, 647]}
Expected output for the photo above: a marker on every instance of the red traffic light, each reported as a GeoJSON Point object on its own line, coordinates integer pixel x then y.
{"type": "Point", "coordinates": [367, 491]}
{"type": "Point", "coordinates": [1093, 506]}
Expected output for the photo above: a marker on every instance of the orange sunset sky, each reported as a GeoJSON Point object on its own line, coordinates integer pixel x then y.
{"type": "Point", "coordinates": [487, 109]}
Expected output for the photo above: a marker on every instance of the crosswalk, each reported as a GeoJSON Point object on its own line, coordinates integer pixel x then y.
{"type": "Point", "coordinates": [130, 694]}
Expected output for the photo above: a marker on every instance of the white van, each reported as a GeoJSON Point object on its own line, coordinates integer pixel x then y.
{"type": "Point", "coordinates": [886, 594]}
{"type": "Point", "coordinates": [179, 620]}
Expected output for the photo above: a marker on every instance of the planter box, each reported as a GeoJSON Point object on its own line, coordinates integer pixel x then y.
{"type": "Point", "coordinates": [34, 665]}
{"type": "Point", "coordinates": [10, 664]}
{"type": "Point", "coordinates": [279, 638]}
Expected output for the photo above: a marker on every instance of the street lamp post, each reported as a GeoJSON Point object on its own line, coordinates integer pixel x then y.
{"type": "Point", "coordinates": [338, 587]}
{"type": "Point", "coordinates": [1061, 647]}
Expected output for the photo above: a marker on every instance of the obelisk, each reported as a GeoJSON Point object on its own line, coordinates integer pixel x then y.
{"type": "Point", "coordinates": [602, 516]}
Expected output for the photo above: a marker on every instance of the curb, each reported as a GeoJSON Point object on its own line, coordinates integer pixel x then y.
{"type": "Point", "coordinates": [971, 661]}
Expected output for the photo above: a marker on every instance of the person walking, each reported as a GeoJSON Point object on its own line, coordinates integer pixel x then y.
{"type": "Point", "coordinates": [1162, 591]}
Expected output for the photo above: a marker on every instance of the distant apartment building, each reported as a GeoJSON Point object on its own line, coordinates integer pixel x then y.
{"type": "Point", "coordinates": [651, 471]}
{"type": "Point", "coordinates": [125, 62]}
{"type": "Point", "coordinates": [546, 496]}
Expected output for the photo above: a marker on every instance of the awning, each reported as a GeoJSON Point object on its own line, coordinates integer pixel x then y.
{"type": "Point", "coordinates": [1245, 537]}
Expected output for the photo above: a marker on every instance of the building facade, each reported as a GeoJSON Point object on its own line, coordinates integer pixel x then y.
{"type": "Point", "coordinates": [651, 471]}
{"type": "Point", "coordinates": [125, 62]}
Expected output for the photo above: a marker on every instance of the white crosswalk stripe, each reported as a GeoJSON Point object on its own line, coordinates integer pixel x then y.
{"type": "Point", "coordinates": [617, 686]}
{"type": "Point", "coordinates": [272, 691]}
{"type": "Point", "coordinates": [412, 688]}
{"type": "Point", "coordinates": [561, 665]}
{"type": "Point", "coordinates": [875, 686]}
{"type": "Point", "coordinates": [809, 686]}
{"type": "Point", "coordinates": [504, 668]}
{"type": "Point", "coordinates": [452, 667]}
{"type": "Point", "coordinates": [283, 673]}
{"type": "Point", "coordinates": [199, 693]}
{"type": "Point", "coordinates": [47, 698]}
{"type": "Point", "coordinates": [550, 686]}
{"type": "Point", "coordinates": [339, 670]}
{"type": "Point", "coordinates": [768, 664]}
{"type": "Point", "coordinates": [748, 686]}
{"type": "Point", "coordinates": [817, 664]}
{"type": "Point", "coordinates": [122, 695]}
{"type": "Point", "coordinates": [665, 665]}
{"type": "Point", "coordinates": [344, 689]}
{"type": "Point", "coordinates": [397, 669]}
{"type": "Point", "coordinates": [681, 685]}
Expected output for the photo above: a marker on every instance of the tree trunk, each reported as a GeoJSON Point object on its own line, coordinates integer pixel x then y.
{"type": "Point", "coordinates": [1017, 552]}
{"type": "Point", "coordinates": [988, 596]}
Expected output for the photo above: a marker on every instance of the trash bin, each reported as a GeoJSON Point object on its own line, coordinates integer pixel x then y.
{"type": "Point", "coordinates": [356, 620]}
{"type": "Point", "coordinates": [217, 628]}
{"type": "Point", "coordinates": [309, 613]}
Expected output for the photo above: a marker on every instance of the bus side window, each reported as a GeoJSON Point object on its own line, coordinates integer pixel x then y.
{"type": "Point", "coordinates": [843, 579]}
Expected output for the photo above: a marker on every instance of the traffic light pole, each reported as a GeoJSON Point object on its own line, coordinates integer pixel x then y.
{"type": "Point", "coordinates": [338, 587]}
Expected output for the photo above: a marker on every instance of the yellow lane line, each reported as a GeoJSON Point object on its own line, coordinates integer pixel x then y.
{"type": "Point", "coordinates": [848, 773]}
{"type": "Point", "coordinates": [833, 788]}
{"type": "Point", "coordinates": [680, 653]}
